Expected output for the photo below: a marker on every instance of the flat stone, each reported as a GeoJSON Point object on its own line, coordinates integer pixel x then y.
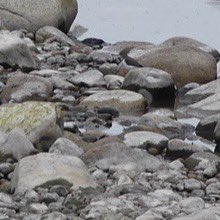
{"type": "Point", "coordinates": [50, 169]}
{"type": "Point", "coordinates": [146, 140]}
{"type": "Point", "coordinates": [122, 100]}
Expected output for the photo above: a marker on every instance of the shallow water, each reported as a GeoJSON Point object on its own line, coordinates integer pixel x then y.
{"type": "Point", "coordinates": [153, 21]}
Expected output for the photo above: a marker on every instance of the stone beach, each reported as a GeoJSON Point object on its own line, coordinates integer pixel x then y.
{"type": "Point", "coordinates": [92, 130]}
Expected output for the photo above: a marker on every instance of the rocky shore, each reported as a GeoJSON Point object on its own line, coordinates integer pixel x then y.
{"type": "Point", "coordinates": [92, 130]}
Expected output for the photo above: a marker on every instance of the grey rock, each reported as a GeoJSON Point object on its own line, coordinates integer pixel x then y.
{"type": "Point", "coordinates": [158, 82]}
{"type": "Point", "coordinates": [113, 81]}
{"type": "Point", "coordinates": [163, 125]}
{"type": "Point", "coordinates": [60, 83]}
{"type": "Point", "coordinates": [165, 195]}
{"type": "Point", "coordinates": [37, 208]}
{"type": "Point", "coordinates": [6, 168]}
{"type": "Point", "coordinates": [50, 169]}
{"type": "Point", "coordinates": [64, 146]}
{"type": "Point", "coordinates": [16, 146]}
{"type": "Point", "coordinates": [108, 68]}
{"type": "Point", "coordinates": [185, 64]}
{"type": "Point", "coordinates": [76, 30]}
{"type": "Point", "coordinates": [207, 125]}
{"type": "Point", "coordinates": [206, 214]}
{"type": "Point", "coordinates": [47, 32]}
{"type": "Point", "coordinates": [192, 204]}
{"type": "Point", "coordinates": [205, 158]}
{"type": "Point", "coordinates": [191, 184]}
{"type": "Point", "coordinates": [89, 78]}
{"type": "Point", "coordinates": [122, 100]}
{"type": "Point", "coordinates": [178, 148]}
{"type": "Point", "coordinates": [149, 215]}
{"type": "Point", "coordinates": [151, 141]}
{"type": "Point", "coordinates": [49, 197]}
{"type": "Point", "coordinates": [122, 158]}
{"type": "Point", "coordinates": [185, 41]}
{"type": "Point", "coordinates": [42, 122]}
{"type": "Point", "coordinates": [32, 197]}
{"type": "Point", "coordinates": [14, 51]}
{"type": "Point", "coordinates": [58, 13]}
{"type": "Point", "coordinates": [213, 188]}
{"type": "Point", "coordinates": [22, 87]}
{"type": "Point", "coordinates": [5, 198]}
{"type": "Point", "coordinates": [205, 100]}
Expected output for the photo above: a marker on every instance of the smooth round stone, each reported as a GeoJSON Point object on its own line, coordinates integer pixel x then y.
{"type": "Point", "coordinates": [122, 100]}
{"type": "Point", "coordinates": [146, 140]}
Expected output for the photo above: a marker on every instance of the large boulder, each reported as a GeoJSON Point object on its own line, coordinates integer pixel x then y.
{"type": "Point", "coordinates": [122, 100]}
{"type": "Point", "coordinates": [14, 50]}
{"type": "Point", "coordinates": [186, 41]}
{"type": "Point", "coordinates": [23, 87]}
{"type": "Point", "coordinates": [185, 64]}
{"type": "Point", "coordinates": [50, 169]}
{"type": "Point", "coordinates": [41, 121]}
{"type": "Point", "coordinates": [31, 15]}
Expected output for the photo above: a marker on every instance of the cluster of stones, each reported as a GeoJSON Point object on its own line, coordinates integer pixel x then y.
{"type": "Point", "coordinates": [91, 130]}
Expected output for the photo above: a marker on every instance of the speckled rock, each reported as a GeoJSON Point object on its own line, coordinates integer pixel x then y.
{"type": "Point", "coordinates": [41, 121]}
